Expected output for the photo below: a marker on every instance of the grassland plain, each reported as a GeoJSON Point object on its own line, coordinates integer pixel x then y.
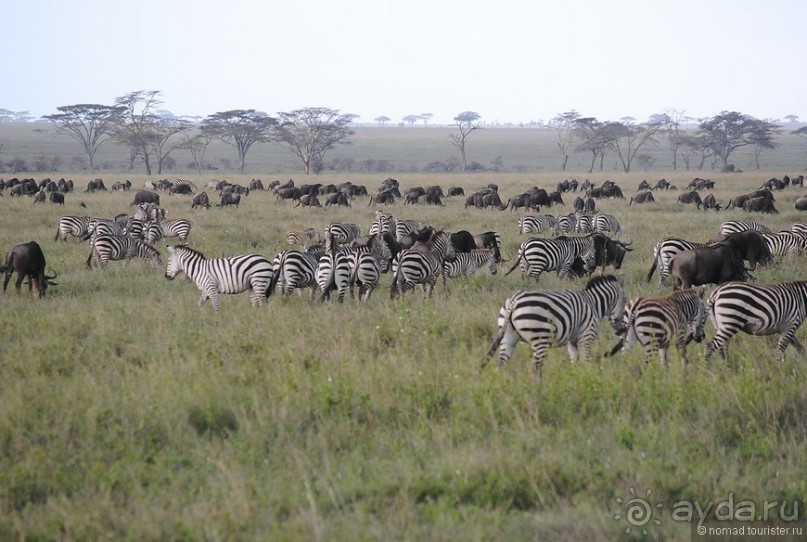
{"type": "Point", "coordinates": [129, 413]}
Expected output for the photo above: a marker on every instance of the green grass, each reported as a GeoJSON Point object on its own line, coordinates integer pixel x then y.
{"type": "Point", "coordinates": [129, 413]}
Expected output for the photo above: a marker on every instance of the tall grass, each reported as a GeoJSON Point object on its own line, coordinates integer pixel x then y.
{"type": "Point", "coordinates": [129, 413]}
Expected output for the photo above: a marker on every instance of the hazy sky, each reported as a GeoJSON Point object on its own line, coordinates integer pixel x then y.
{"type": "Point", "coordinates": [508, 60]}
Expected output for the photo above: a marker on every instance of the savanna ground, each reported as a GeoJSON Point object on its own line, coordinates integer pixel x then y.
{"type": "Point", "coordinates": [129, 413]}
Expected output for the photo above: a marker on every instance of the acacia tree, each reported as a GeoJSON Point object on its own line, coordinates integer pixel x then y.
{"type": "Point", "coordinates": [627, 139]}
{"type": "Point", "coordinates": [91, 125]}
{"type": "Point", "coordinates": [197, 145]}
{"type": "Point", "coordinates": [565, 127]}
{"type": "Point", "coordinates": [466, 124]}
{"type": "Point", "coordinates": [728, 131]}
{"type": "Point", "coordinates": [239, 128]}
{"type": "Point", "coordinates": [382, 120]}
{"type": "Point", "coordinates": [310, 132]}
{"type": "Point", "coordinates": [411, 119]}
{"type": "Point", "coordinates": [593, 138]}
{"type": "Point", "coordinates": [137, 124]}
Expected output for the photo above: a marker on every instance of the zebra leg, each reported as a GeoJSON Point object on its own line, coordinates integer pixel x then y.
{"type": "Point", "coordinates": [573, 351]}
{"type": "Point", "coordinates": [788, 337]}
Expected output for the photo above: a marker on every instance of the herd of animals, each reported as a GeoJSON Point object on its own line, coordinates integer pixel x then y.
{"type": "Point", "coordinates": [339, 259]}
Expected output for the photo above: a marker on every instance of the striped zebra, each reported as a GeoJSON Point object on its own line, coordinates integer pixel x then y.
{"type": "Point", "coordinates": [799, 228]}
{"type": "Point", "coordinates": [404, 228]}
{"type": "Point", "coordinates": [103, 226]}
{"type": "Point", "coordinates": [76, 226]}
{"type": "Point", "coordinates": [303, 238]}
{"type": "Point", "coordinates": [294, 269]}
{"type": "Point", "coordinates": [466, 264]}
{"type": "Point", "coordinates": [785, 243]}
{"type": "Point", "coordinates": [134, 228]}
{"type": "Point", "coordinates": [537, 224]}
{"type": "Point", "coordinates": [383, 223]}
{"type": "Point", "coordinates": [148, 212]}
{"type": "Point", "coordinates": [562, 318]}
{"type": "Point", "coordinates": [217, 276]}
{"type": "Point", "coordinates": [605, 223]}
{"type": "Point", "coordinates": [422, 264]}
{"type": "Point", "coordinates": [584, 223]}
{"type": "Point", "coordinates": [655, 322]}
{"type": "Point", "coordinates": [107, 248]}
{"type": "Point", "coordinates": [178, 227]}
{"type": "Point", "coordinates": [366, 272]}
{"type": "Point", "coordinates": [736, 226]}
{"type": "Point", "coordinates": [343, 233]}
{"type": "Point", "coordinates": [536, 255]}
{"type": "Point", "coordinates": [566, 223]}
{"type": "Point", "coordinates": [333, 273]}
{"type": "Point", "coordinates": [665, 250]}
{"type": "Point", "coordinates": [757, 309]}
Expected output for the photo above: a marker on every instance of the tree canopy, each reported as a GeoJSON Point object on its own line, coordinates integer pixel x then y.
{"type": "Point", "coordinates": [466, 124]}
{"type": "Point", "coordinates": [728, 131]}
{"type": "Point", "coordinates": [89, 124]}
{"type": "Point", "coordinates": [239, 128]}
{"type": "Point", "coordinates": [312, 131]}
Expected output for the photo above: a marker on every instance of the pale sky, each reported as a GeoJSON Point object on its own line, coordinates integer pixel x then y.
{"type": "Point", "coordinates": [508, 60]}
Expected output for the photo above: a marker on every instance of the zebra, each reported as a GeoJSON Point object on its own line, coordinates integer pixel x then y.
{"type": "Point", "coordinates": [178, 227]}
{"type": "Point", "coordinates": [785, 243]}
{"type": "Point", "coordinates": [736, 226]}
{"type": "Point", "coordinates": [343, 233]}
{"type": "Point", "coordinates": [757, 309]}
{"type": "Point", "coordinates": [422, 264]}
{"type": "Point", "coordinates": [556, 318]}
{"type": "Point", "coordinates": [799, 228]}
{"type": "Point", "coordinates": [383, 223]}
{"type": "Point", "coordinates": [665, 250]}
{"type": "Point", "coordinates": [215, 276]}
{"type": "Point", "coordinates": [366, 272]}
{"type": "Point", "coordinates": [333, 273]}
{"type": "Point", "coordinates": [466, 264]}
{"type": "Point", "coordinates": [404, 228]}
{"type": "Point", "coordinates": [584, 223]}
{"type": "Point", "coordinates": [107, 248]}
{"type": "Point", "coordinates": [656, 321]}
{"type": "Point", "coordinates": [605, 223]}
{"type": "Point", "coordinates": [537, 224]}
{"type": "Point", "coordinates": [103, 226]}
{"type": "Point", "coordinates": [134, 228]}
{"type": "Point", "coordinates": [566, 223]}
{"type": "Point", "coordinates": [294, 269]}
{"type": "Point", "coordinates": [76, 226]}
{"type": "Point", "coordinates": [303, 237]}
{"type": "Point", "coordinates": [536, 255]}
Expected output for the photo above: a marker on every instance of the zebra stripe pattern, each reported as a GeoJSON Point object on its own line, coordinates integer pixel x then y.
{"type": "Point", "coordinates": [785, 243]}
{"type": "Point", "coordinates": [294, 269]}
{"type": "Point", "coordinates": [333, 273]}
{"type": "Point", "coordinates": [343, 233]}
{"type": "Point", "coordinates": [76, 226]}
{"type": "Point", "coordinates": [799, 228]}
{"type": "Point", "coordinates": [104, 226]}
{"type": "Point", "coordinates": [663, 253]}
{"type": "Point", "coordinates": [537, 224]}
{"type": "Point", "coordinates": [656, 322]}
{"type": "Point", "coordinates": [217, 276]}
{"type": "Point", "coordinates": [605, 223]}
{"type": "Point", "coordinates": [303, 238]}
{"type": "Point", "coordinates": [107, 248]}
{"type": "Point", "coordinates": [584, 223]}
{"type": "Point", "coordinates": [422, 264]}
{"type": "Point", "coordinates": [757, 309]}
{"type": "Point", "coordinates": [536, 255]}
{"type": "Point", "coordinates": [383, 223]}
{"type": "Point", "coordinates": [736, 226]}
{"type": "Point", "coordinates": [366, 272]}
{"type": "Point", "coordinates": [466, 264]}
{"type": "Point", "coordinates": [178, 227]}
{"type": "Point", "coordinates": [404, 228]}
{"type": "Point", "coordinates": [563, 318]}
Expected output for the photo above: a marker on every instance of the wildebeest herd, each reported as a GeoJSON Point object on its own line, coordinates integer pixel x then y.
{"type": "Point", "coordinates": [340, 258]}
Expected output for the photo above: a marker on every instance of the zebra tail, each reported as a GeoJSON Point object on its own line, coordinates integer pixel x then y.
{"type": "Point", "coordinates": [518, 260]}
{"type": "Point", "coordinates": [652, 269]}
{"type": "Point", "coordinates": [57, 235]}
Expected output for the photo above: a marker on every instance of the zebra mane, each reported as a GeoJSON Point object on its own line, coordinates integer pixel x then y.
{"type": "Point", "coordinates": [189, 249]}
{"type": "Point", "coordinates": [600, 280]}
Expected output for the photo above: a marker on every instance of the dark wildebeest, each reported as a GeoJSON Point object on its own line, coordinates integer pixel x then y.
{"type": "Point", "coordinates": [200, 200]}
{"type": "Point", "coordinates": [739, 201]}
{"type": "Point", "coordinates": [180, 188]}
{"type": "Point", "coordinates": [797, 181]}
{"type": "Point", "coordinates": [97, 184]}
{"type": "Point", "coordinates": [491, 240]}
{"type": "Point", "coordinates": [229, 198]}
{"type": "Point", "coordinates": [27, 260]}
{"type": "Point", "coordinates": [759, 205]}
{"type": "Point", "coordinates": [412, 195]}
{"type": "Point", "coordinates": [385, 197]}
{"type": "Point", "coordinates": [644, 185]}
{"type": "Point", "coordinates": [145, 196]}
{"type": "Point", "coordinates": [578, 204]}
{"type": "Point", "coordinates": [662, 184]}
{"type": "Point", "coordinates": [39, 197]}
{"type": "Point", "coordinates": [118, 185]}
{"type": "Point", "coordinates": [775, 184]}
{"type": "Point", "coordinates": [700, 184]}
{"type": "Point", "coordinates": [256, 184]}
{"type": "Point", "coordinates": [709, 202]}
{"type": "Point", "coordinates": [433, 198]}
{"type": "Point", "coordinates": [463, 241]}
{"type": "Point", "coordinates": [714, 264]}
{"type": "Point", "coordinates": [337, 198]}
{"type": "Point", "coordinates": [801, 203]}
{"type": "Point", "coordinates": [57, 197]}
{"type": "Point", "coordinates": [308, 200]}
{"type": "Point", "coordinates": [519, 200]}
{"type": "Point", "coordinates": [290, 192]}
{"type": "Point", "coordinates": [455, 191]}
{"type": "Point", "coordinates": [642, 197]}
{"type": "Point", "coordinates": [690, 197]}
{"type": "Point", "coordinates": [749, 245]}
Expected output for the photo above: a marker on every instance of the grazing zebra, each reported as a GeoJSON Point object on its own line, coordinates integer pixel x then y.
{"type": "Point", "coordinates": [566, 223]}
{"type": "Point", "coordinates": [179, 227]}
{"type": "Point", "coordinates": [134, 228]}
{"type": "Point", "coordinates": [656, 322]}
{"type": "Point", "coordinates": [104, 226]}
{"type": "Point", "coordinates": [536, 255]}
{"type": "Point", "coordinates": [605, 223]}
{"type": "Point", "coordinates": [343, 233]}
{"type": "Point", "coordinates": [736, 226]}
{"type": "Point", "coordinates": [785, 243]}
{"type": "Point", "coordinates": [799, 228]}
{"type": "Point", "coordinates": [757, 309]}
{"type": "Point", "coordinates": [466, 264]}
{"type": "Point", "coordinates": [107, 248]}
{"type": "Point", "coordinates": [216, 276]}
{"type": "Point", "coordinates": [294, 269]}
{"type": "Point", "coordinates": [665, 250]}
{"type": "Point", "coordinates": [584, 223]}
{"type": "Point", "coordinates": [383, 223]}
{"type": "Point", "coordinates": [333, 273]}
{"type": "Point", "coordinates": [76, 226]}
{"type": "Point", "coordinates": [303, 238]}
{"type": "Point", "coordinates": [537, 224]}
{"type": "Point", "coordinates": [422, 264]}
{"type": "Point", "coordinates": [366, 272]}
{"type": "Point", "coordinates": [570, 317]}
{"type": "Point", "coordinates": [404, 228]}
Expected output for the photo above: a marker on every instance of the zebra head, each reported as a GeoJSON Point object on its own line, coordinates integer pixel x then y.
{"type": "Point", "coordinates": [699, 319]}
{"type": "Point", "coordinates": [176, 260]}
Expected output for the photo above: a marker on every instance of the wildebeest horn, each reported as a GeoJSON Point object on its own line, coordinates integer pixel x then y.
{"type": "Point", "coordinates": [51, 277]}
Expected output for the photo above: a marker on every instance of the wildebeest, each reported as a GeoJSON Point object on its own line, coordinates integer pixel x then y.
{"type": "Point", "coordinates": [749, 246]}
{"type": "Point", "coordinates": [229, 198]}
{"type": "Point", "coordinates": [455, 191]}
{"type": "Point", "coordinates": [709, 202]}
{"type": "Point", "coordinates": [27, 260]}
{"type": "Point", "coordinates": [290, 192]}
{"type": "Point", "coordinates": [714, 264]}
{"type": "Point", "coordinates": [412, 195]}
{"type": "Point", "coordinates": [519, 200]}
{"type": "Point", "coordinates": [700, 184]}
{"type": "Point", "coordinates": [760, 205]}
{"type": "Point", "coordinates": [180, 188]}
{"type": "Point", "coordinates": [256, 184]}
{"type": "Point", "coordinates": [96, 184]}
{"type": "Point", "coordinates": [57, 197]}
{"type": "Point", "coordinates": [662, 184]}
{"type": "Point", "coordinates": [463, 241]}
{"type": "Point", "coordinates": [39, 197]}
{"type": "Point", "coordinates": [644, 185]}
{"type": "Point", "coordinates": [145, 196]}
{"type": "Point", "coordinates": [308, 200]}
{"type": "Point", "coordinates": [801, 203]}
{"type": "Point", "coordinates": [690, 197]}
{"type": "Point", "coordinates": [118, 185]}
{"type": "Point", "coordinates": [642, 197]}
{"type": "Point", "coordinates": [200, 200]}
{"type": "Point", "coordinates": [739, 201]}
{"type": "Point", "coordinates": [337, 198]}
